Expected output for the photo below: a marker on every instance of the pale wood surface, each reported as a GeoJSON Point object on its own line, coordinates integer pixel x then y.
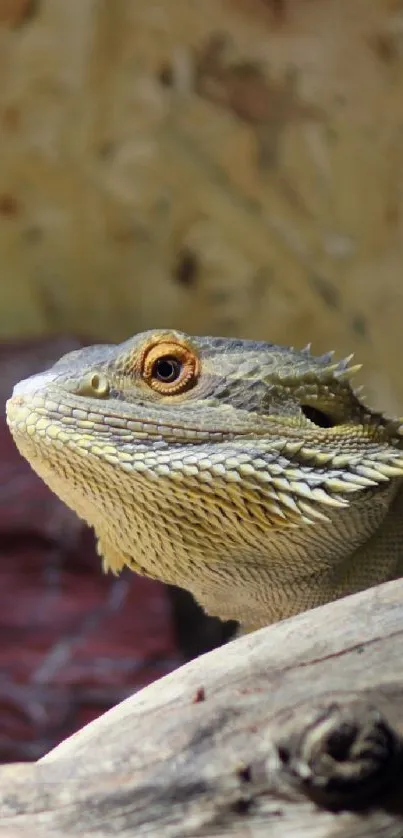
{"type": "Point", "coordinates": [203, 752]}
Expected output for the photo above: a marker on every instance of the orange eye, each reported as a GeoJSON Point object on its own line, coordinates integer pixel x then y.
{"type": "Point", "coordinates": [169, 367]}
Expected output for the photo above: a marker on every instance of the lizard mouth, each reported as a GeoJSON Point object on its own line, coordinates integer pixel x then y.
{"type": "Point", "coordinates": [35, 415]}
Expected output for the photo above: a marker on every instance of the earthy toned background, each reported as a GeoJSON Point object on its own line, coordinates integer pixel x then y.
{"type": "Point", "coordinates": [226, 167]}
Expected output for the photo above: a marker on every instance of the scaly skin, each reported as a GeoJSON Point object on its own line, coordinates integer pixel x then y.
{"type": "Point", "coordinates": [249, 473]}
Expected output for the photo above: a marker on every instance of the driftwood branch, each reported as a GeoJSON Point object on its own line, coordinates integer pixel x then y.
{"type": "Point", "coordinates": [294, 730]}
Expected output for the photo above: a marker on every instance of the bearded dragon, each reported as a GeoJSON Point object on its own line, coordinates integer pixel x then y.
{"type": "Point", "coordinates": [251, 474]}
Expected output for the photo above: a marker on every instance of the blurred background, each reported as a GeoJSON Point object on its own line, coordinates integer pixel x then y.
{"type": "Point", "coordinates": [226, 167]}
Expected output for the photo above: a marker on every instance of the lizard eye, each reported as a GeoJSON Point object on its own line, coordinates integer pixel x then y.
{"type": "Point", "coordinates": [169, 367]}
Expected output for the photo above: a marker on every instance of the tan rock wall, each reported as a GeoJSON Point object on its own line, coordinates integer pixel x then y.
{"type": "Point", "coordinates": [225, 166]}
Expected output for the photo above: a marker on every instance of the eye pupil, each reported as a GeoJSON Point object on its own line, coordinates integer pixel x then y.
{"type": "Point", "coordinates": [322, 420]}
{"type": "Point", "coordinates": [167, 369]}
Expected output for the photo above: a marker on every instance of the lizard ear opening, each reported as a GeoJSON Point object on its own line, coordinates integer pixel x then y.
{"type": "Point", "coordinates": [318, 417]}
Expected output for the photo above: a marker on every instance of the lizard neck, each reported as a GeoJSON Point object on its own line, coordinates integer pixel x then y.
{"type": "Point", "coordinates": [380, 557]}
{"type": "Point", "coordinates": [360, 547]}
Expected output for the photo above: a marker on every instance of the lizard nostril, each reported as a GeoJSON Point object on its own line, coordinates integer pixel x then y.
{"type": "Point", "coordinates": [94, 385]}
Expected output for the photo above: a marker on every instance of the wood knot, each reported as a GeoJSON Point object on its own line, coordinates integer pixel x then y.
{"type": "Point", "coordinates": [345, 756]}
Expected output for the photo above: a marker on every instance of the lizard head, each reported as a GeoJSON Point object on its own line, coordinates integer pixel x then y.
{"type": "Point", "coordinates": [189, 454]}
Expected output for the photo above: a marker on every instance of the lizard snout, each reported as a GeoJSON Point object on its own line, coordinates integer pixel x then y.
{"type": "Point", "coordinates": [34, 383]}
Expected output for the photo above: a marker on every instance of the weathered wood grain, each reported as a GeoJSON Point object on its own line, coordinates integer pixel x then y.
{"type": "Point", "coordinates": [291, 731]}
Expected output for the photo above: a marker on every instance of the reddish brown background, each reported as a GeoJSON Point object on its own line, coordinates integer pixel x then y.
{"type": "Point", "coordinates": [73, 640]}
